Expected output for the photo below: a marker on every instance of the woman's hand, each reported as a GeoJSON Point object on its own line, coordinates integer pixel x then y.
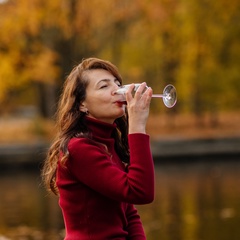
{"type": "Point", "coordinates": [138, 107]}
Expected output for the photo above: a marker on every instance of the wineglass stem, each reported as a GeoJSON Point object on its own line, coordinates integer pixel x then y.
{"type": "Point", "coordinates": [157, 95]}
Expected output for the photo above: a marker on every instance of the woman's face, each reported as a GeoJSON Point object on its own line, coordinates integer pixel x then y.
{"type": "Point", "coordinates": [101, 101]}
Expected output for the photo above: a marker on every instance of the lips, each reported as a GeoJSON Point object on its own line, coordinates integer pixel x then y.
{"type": "Point", "coordinates": [121, 102]}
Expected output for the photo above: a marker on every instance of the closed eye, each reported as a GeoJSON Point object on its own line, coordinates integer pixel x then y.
{"type": "Point", "coordinates": [104, 86]}
{"type": "Point", "coordinates": [104, 83]}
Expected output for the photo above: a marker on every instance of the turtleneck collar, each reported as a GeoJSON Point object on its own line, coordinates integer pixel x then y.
{"type": "Point", "coordinates": [99, 128]}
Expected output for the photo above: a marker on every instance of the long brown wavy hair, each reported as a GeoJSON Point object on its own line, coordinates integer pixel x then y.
{"type": "Point", "coordinates": [70, 121]}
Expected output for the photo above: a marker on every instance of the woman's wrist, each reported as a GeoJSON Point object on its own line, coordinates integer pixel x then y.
{"type": "Point", "coordinates": [137, 129]}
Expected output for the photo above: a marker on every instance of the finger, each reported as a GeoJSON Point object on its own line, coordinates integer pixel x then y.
{"type": "Point", "coordinates": [148, 92]}
{"type": "Point", "coordinates": [128, 93]}
{"type": "Point", "coordinates": [147, 95]}
{"type": "Point", "coordinates": [140, 90]}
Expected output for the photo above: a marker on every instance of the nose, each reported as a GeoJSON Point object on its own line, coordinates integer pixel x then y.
{"type": "Point", "coordinates": [115, 89]}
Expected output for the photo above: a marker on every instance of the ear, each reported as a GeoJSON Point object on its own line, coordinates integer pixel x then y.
{"type": "Point", "coordinates": [83, 107]}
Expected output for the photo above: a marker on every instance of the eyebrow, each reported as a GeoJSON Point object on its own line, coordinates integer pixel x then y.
{"type": "Point", "coordinates": [107, 80]}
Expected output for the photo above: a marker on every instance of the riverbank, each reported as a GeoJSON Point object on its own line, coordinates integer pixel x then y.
{"type": "Point", "coordinates": [160, 127]}
{"type": "Point", "coordinates": [16, 155]}
{"type": "Point", "coordinates": [25, 141]}
{"type": "Point", "coordinates": [196, 149]}
{"type": "Point", "coordinates": [23, 155]}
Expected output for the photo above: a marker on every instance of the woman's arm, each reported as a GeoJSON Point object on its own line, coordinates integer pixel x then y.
{"type": "Point", "coordinates": [93, 167]}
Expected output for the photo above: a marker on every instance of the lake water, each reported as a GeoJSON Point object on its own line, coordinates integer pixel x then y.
{"type": "Point", "coordinates": [194, 201]}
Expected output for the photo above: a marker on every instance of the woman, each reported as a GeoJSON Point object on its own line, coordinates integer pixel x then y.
{"type": "Point", "coordinates": [100, 163]}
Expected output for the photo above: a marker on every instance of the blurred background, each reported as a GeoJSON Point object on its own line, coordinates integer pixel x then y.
{"type": "Point", "coordinates": [193, 45]}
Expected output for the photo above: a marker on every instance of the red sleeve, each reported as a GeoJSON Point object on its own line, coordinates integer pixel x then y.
{"type": "Point", "coordinates": [93, 167]}
{"type": "Point", "coordinates": [134, 228]}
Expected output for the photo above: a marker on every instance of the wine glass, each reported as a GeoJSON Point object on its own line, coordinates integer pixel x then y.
{"type": "Point", "coordinates": [169, 94]}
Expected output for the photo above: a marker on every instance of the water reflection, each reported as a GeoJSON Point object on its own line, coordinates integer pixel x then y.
{"type": "Point", "coordinates": [193, 202]}
{"type": "Point", "coordinates": [26, 210]}
{"type": "Point", "coordinates": [197, 201]}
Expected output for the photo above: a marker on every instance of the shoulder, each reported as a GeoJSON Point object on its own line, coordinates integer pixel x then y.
{"type": "Point", "coordinates": [83, 145]}
{"type": "Point", "coordinates": [78, 143]}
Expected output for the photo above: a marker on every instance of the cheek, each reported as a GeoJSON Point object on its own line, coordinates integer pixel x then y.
{"type": "Point", "coordinates": [98, 102]}
{"type": "Point", "coordinates": [103, 99]}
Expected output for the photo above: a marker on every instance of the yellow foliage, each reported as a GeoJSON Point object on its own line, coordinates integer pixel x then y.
{"type": "Point", "coordinates": [39, 69]}
{"type": "Point", "coordinates": [191, 44]}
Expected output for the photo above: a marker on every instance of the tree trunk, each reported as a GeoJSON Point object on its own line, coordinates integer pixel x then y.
{"type": "Point", "coordinates": [46, 99]}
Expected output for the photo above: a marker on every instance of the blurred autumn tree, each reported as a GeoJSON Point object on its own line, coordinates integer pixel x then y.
{"type": "Point", "coordinates": [191, 44]}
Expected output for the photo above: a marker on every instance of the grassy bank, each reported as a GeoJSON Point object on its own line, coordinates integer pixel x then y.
{"type": "Point", "coordinates": [25, 130]}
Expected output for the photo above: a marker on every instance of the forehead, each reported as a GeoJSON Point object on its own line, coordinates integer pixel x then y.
{"type": "Point", "coordinates": [96, 76]}
{"type": "Point", "coordinates": [99, 74]}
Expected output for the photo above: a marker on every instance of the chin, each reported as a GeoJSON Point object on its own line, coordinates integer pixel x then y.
{"type": "Point", "coordinates": [122, 112]}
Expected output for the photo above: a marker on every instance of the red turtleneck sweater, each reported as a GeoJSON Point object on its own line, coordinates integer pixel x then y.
{"type": "Point", "coordinates": [97, 193]}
